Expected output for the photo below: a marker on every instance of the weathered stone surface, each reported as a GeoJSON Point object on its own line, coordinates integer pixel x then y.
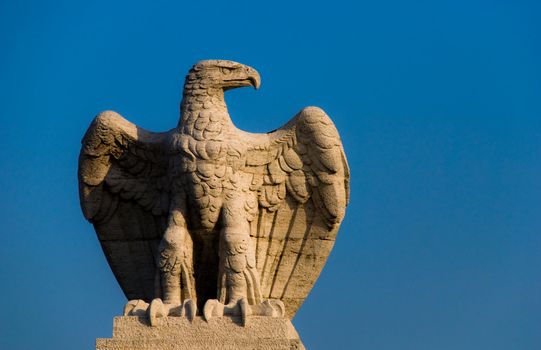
{"type": "Point", "coordinates": [175, 333]}
{"type": "Point", "coordinates": [209, 220]}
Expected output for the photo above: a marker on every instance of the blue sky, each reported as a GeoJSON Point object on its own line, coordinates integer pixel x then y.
{"type": "Point", "coordinates": [438, 105]}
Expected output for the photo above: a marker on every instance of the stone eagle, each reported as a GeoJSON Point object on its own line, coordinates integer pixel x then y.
{"type": "Point", "coordinates": [207, 216]}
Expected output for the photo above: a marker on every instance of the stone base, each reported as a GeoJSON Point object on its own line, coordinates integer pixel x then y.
{"type": "Point", "coordinates": [224, 333]}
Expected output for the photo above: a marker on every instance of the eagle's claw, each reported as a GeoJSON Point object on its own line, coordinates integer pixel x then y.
{"type": "Point", "coordinates": [241, 307]}
{"type": "Point", "coordinates": [135, 307]}
{"type": "Point", "coordinates": [157, 310]}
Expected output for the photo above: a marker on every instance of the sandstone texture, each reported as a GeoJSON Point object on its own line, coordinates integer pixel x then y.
{"type": "Point", "coordinates": [207, 220]}
{"type": "Point", "coordinates": [224, 333]}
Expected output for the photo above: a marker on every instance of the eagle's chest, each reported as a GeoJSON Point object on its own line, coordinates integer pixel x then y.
{"type": "Point", "coordinates": [209, 183]}
{"type": "Point", "coordinates": [210, 163]}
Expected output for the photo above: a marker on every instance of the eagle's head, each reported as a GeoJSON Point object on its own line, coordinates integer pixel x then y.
{"type": "Point", "coordinates": [221, 74]}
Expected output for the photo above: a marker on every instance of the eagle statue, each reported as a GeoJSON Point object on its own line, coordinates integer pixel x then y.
{"type": "Point", "coordinates": [209, 217]}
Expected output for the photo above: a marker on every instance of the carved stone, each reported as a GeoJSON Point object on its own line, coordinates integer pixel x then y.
{"type": "Point", "coordinates": [209, 220]}
{"type": "Point", "coordinates": [220, 333]}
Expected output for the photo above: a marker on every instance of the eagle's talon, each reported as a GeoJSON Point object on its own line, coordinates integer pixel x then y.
{"type": "Point", "coordinates": [245, 310]}
{"type": "Point", "coordinates": [241, 307]}
{"type": "Point", "coordinates": [135, 307]}
{"type": "Point", "coordinates": [189, 309]}
{"type": "Point", "coordinates": [156, 310]}
{"type": "Point", "coordinates": [213, 308]}
{"type": "Point", "coordinates": [278, 307]}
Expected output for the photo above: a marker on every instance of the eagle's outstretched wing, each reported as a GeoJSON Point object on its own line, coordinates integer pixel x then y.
{"type": "Point", "coordinates": [301, 177]}
{"type": "Point", "coordinates": [124, 192]}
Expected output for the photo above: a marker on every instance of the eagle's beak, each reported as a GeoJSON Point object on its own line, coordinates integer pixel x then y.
{"type": "Point", "coordinates": [243, 76]}
{"type": "Point", "coordinates": [253, 77]}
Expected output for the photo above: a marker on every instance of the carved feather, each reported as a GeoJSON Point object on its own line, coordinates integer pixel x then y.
{"type": "Point", "coordinates": [300, 174]}
{"type": "Point", "coordinates": [123, 183]}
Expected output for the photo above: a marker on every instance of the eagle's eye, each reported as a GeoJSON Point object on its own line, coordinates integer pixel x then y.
{"type": "Point", "coordinates": [225, 71]}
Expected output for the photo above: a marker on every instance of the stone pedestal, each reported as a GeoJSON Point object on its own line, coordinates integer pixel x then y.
{"type": "Point", "coordinates": [224, 333]}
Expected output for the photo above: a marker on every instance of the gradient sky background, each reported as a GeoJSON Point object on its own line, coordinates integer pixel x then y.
{"type": "Point", "coordinates": [439, 108]}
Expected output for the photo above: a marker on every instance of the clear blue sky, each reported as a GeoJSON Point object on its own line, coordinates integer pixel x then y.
{"type": "Point", "coordinates": [439, 107]}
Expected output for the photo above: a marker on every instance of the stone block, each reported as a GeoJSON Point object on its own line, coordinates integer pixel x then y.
{"type": "Point", "coordinates": [224, 333]}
